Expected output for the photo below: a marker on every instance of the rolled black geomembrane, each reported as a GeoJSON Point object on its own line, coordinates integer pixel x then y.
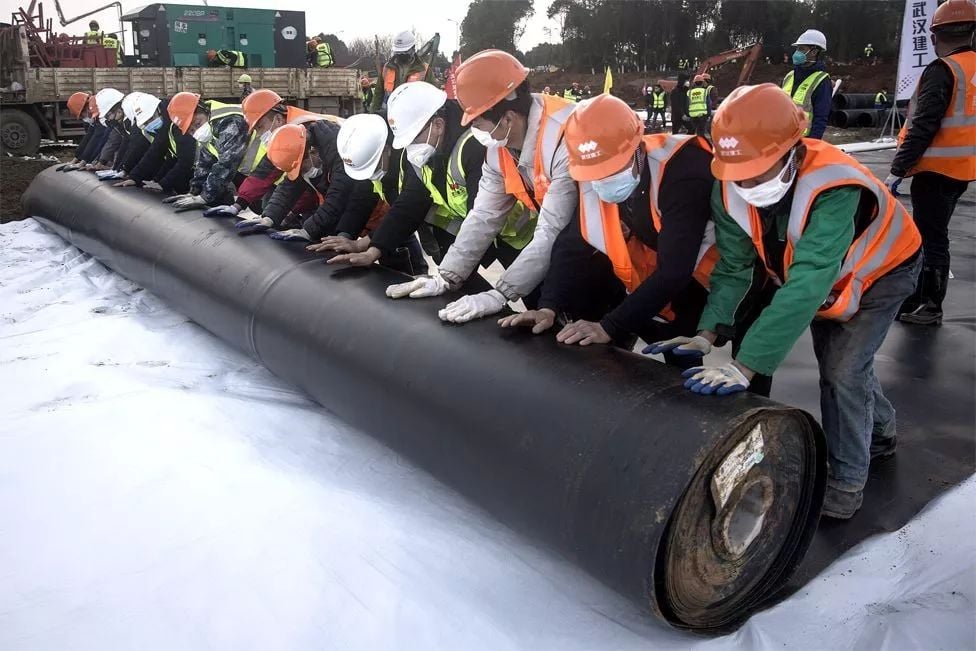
{"type": "Point", "coordinates": [699, 508]}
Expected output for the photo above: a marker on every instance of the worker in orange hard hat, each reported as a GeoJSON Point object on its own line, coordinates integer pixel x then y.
{"type": "Point", "coordinates": [710, 90]}
{"type": "Point", "coordinates": [367, 88]}
{"type": "Point", "coordinates": [937, 148]}
{"type": "Point", "coordinates": [79, 107]}
{"type": "Point", "coordinates": [526, 161]}
{"type": "Point", "coordinates": [644, 205]}
{"type": "Point", "coordinates": [226, 59]}
{"type": "Point", "coordinates": [843, 254]}
{"type": "Point", "coordinates": [264, 110]}
{"type": "Point", "coordinates": [325, 177]}
{"type": "Point", "coordinates": [221, 131]}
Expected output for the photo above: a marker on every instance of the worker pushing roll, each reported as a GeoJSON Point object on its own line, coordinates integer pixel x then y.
{"type": "Point", "coordinates": [167, 165]}
{"type": "Point", "coordinates": [844, 253]}
{"type": "Point", "coordinates": [221, 131]}
{"type": "Point", "coordinates": [644, 209]}
{"type": "Point", "coordinates": [526, 161]}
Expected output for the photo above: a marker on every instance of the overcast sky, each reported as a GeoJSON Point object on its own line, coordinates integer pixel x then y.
{"type": "Point", "coordinates": [360, 18]}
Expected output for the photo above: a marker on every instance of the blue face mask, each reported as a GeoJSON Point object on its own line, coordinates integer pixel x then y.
{"type": "Point", "coordinates": [616, 188]}
{"type": "Point", "coordinates": [799, 58]}
{"type": "Point", "coordinates": [153, 125]}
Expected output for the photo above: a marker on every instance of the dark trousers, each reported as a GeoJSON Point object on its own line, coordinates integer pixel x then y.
{"type": "Point", "coordinates": [700, 125]}
{"type": "Point", "coordinates": [652, 116]}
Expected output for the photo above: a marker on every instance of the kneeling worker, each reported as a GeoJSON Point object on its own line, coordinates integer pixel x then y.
{"type": "Point", "coordinates": [845, 254]}
{"type": "Point", "coordinates": [644, 205]}
{"type": "Point", "coordinates": [221, 131]}
{"type": "Point", "coordinates": [526, 161]}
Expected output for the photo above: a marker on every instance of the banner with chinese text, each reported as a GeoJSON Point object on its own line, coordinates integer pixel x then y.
{"type": "Point", "coordinates": [916, 45]}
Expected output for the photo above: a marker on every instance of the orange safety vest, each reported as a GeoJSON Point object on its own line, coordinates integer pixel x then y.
{"type": "Point", "coordinates": [390, 73]}
{"type": "Point", "coordinates": [889, 240]}
{"type": "Point", "coordinates": [555, 112]}
{"type": "Point", "coordinates": [952, 151]}
{"type": "Point", "coordinates": [633, 261]}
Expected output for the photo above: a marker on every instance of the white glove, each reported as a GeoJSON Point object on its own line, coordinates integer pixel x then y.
{"type": "Point", "coordinates": [152, 185]}
{"type": "Point", "coordinates": [892, 182]}
{"type": "Point", "coordinates": [110, 174]}
{"type": "Point", "coordinates": [474, 306]}
{"type": "Point", "coordinates": [222, 211]}
{"type": "Point", "coordinates": [419, 287]}
{"type": "Point", "coordinates": [721, 380]}
{"type": "Point", "coordinates": [194, 201]}
{"type": "Point", "coordinates": [696, 346]}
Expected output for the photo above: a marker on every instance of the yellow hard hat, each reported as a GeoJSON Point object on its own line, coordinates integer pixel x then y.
{"type": "Point", "coordinates": [244, 79]}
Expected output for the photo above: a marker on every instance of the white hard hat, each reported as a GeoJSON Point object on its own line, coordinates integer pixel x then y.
{"type": "Point", "coordinates": [132, 101]}
{"type": "Point", "coordinates": [105, 101]}
{"type": "Point", "coordinates": [812, 37]}
{"type": "Point", "coordinates": [361, 141]}
{"type": "Point", "coordinates": [144, 108]}
{"type": "Point", "coordinates": [410, 107]}
{"type": "Point", "coordinates": [403, 42]}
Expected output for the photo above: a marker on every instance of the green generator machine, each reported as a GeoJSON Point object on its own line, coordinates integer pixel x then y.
{"type": "Point", "coordinates": [167, 35]}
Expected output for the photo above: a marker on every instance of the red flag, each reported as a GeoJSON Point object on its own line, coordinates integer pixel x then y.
{"type": "Point", "coordinates": [451, 86]}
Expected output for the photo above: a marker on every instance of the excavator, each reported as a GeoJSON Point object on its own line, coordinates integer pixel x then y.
{"type": "Point", "coordinates": [750, 53]}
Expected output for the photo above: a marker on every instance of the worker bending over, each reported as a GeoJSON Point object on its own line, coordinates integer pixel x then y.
{"type": "Point", "coordinates": [637, 260]}
{"type": "Point", "coordinates": [526, 162]}
{"type": "Point", "coordinates": [808, 83]}
{"type": "Point", "coordinates": [937, 148]}
{"type": "Point", "coordinates": [79, 108]}
{"type": "Point", "coordinates": [226, 59]}
{"type": "Point", "coordinates": [167, 165]}
{"type": "Point", "coordinates": [108, 111]}
{"type": "Point", "coordinates": [136, 141]}
{"type": "Point", "coordinates": [844, 253]}
{"type": "Point", "coordinates": [221, 133]}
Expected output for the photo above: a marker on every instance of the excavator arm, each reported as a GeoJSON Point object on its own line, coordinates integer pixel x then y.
{"type": "Point", "coordinates": [750, 52]}
{"type": "Point", "coordinates": [68, 21]}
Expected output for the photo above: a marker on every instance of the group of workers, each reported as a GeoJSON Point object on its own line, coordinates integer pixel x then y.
{"type": "Point", "coordinates": [95, 36]}
{"type": "Point", "coordinates": [605, 234]}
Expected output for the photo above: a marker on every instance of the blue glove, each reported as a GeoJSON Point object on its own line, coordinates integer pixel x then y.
{"type": "Point", "coordinates": [291, 235]}
{"type": "Point", "coordinates": [252, 226]}
{"type": "Point", "coordinates": [696, 346]}
{"type": "Point", "coordinates": [222, 211]}
{"type": "Point", "coordinates": [720, 380]}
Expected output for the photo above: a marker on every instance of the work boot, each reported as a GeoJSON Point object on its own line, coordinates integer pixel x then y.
{"type": "Point", "coordinates": [841, 505]}
{"type": "Point", "coordinates": [883, 441]}
{"type": "Point", "coordinates": [934, 283]}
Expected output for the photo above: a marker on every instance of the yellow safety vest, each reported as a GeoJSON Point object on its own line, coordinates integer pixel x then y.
{"type": "Point", "coordinates": [219, 111]}
{"type": "Point", "coordinates": [697, 102]}
{"type": "Point", "coordinates": [113, 44]}
{"type": "Point", "coordinates": [657, 100]}
{"type": "Point", "coordinates": [234, 60]}
{"type": "Point", "coordinates": [803, 95]}
{"type": "Point", "coordinates": [253, 155]}
{"type": "Point", "coordinates": [93, 38]}
{"type": "Point", "coordinates": [323, 55]}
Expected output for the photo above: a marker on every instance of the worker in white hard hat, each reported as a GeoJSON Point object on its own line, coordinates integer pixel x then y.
{"type": "Point", "coordinates": [135, 142]}
{"type": "Point", "coordinates": [406, 63]}
{"type": "Point", "coordinates": [244, 81]}
{"type": "Point", "coordinates": [108, 111]}
{"type": "Point", "coordinates": [441, 165]}
{"type": "Point", "coordinates": [808, 83]}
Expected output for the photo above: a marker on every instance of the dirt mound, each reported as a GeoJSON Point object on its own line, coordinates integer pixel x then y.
{"type": "Point", "coordinates": [16, 174]}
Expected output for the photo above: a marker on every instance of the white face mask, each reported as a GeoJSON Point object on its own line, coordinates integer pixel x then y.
{"type": "Point", "coordinates": [313, 173]}
{"type": "Point", "coordinates": [487, 140]}
{"type": "Point", "coordinates": [204, 134]}
{"type": "Point", "coordinates": [618, 187]}
{"type": "Point", "coordinates": [772, 191]}
{"type": "Point", "coordinates": [88, 120]}
{"type": "Point", "coordinates": [419, 154]}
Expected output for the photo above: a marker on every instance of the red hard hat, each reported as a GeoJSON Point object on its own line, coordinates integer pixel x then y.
{"type": "Point", "coordinates": [485, 80]}
{"type": "Point", "coordinates": [697, 79]}
{"type": "Point", "coordinates": [601, 137]}
{"type": "Point", "coordinates": [752, 129]}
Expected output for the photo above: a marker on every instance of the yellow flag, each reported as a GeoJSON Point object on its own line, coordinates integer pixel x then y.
{"type": "Point", "coordinates": [608, 82]}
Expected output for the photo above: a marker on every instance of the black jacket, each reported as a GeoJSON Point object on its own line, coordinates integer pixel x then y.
{"type": "Point", "coordinates": [157, 164]}
{"type": "Point", "coordinates": [929, 107]}
{"type": "Point", "coordinates": [94, 144]}
{"type": "Point", "coordinates": [332, 184]}
{"type": "Point", "coordinates": [679, 100]}
{"type": "Point", "coordinates": [410, 207]}
{"type": "Point", "coordinates": [684, 202]}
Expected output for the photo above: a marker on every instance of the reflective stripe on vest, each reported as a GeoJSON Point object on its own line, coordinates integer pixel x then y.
{"type": "Point", "coordinates": [219, 111]}
{"type": "Point", "coordinates": [803, 95]}
{"type": "Point", "coordinates": [93, 38]}
{"type": "Point", "coordinates": [323, 55]}
{"type": "Point", "coordinates": [231, 58]}
{"type": "Point", "coordinates": [253, 155]}
{"type": "Point", "coordinates": [889, 240]}
{"type": "Point", "coordinates": [378, 190]}
{"type": "Point", "coordinates": [952, 151]}
{"type": "Point", "coordinates": [657, 101]}
{"type": "Point", "coordinates": [172, 139]}
{"type": "Point", "coordinates": [390, 77]}
{"type": "Point", "coordinates": [697, 103]}
{"type": "Point", "coordinates": [880, 98]}
{"type": "Point", "coordinates": [633, 261]}
{"type": "Point", "coordinates": [148, 135]}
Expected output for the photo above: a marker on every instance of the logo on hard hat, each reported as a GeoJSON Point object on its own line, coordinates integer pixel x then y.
{"type": "Point", "coordinates": [587, 147]}
{"type": "Point", "coordinates": [728, 143]}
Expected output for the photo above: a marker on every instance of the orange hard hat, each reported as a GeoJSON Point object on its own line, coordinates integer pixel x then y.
{"type": "Point", "coordinates": [485, 80]}
{"type": "Point", "coordinates": [181, 108]}
{"type": "Point", "coordinates": [601, 137]}
{"type": "Point", "coordinates": [257, 104]}
{"type": "Point", "coordinates": [954, 11]}
{"type": "Point", "coordinates": [76, 103]}
{"type": "Point", "coordinates": [287, 149]}
{"type": "Point", "coordinates": [752, 129]}
{"type": "Point", "coordinates": [365, 81]}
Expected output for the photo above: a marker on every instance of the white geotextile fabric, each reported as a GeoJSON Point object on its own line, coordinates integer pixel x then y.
{"type": "Point", "coordinates": [159, 490]}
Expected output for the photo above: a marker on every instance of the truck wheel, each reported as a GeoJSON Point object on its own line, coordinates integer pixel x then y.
{"type": "Point", "coordinates": [20, 135]}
